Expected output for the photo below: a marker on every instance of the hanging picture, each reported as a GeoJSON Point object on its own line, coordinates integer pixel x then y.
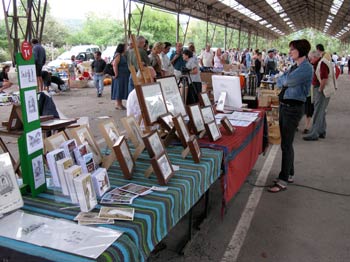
{"type": "Point", "coordinates": [172, 96]}
{"type": "Point", "coordinates": [27, 76]}
{"type": "Point", "coordinates": [38, 171]}
{"type": "Point", "coordinates": [151, 102]}
{"type": "Point", "coordinates": [31, 105]}
{"type": "Point", "coordinates": [34, 141]}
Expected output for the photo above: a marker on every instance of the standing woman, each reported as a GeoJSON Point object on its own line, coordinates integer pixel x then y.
{"type": "Point", "coordinates": [121, 76]}
{"type": "Point", "coordinates": [195, 83]}
{"type": "Point", "coordinates": [295, 86]}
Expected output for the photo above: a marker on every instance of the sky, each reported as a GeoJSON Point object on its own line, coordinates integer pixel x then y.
{"type": "Point", "coordinates": [63, 9]}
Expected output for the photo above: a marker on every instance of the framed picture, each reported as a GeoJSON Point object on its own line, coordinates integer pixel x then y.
{"type": "Point", "coordinates": [124, 157]}
{"type": "Point", "coordinates": [151, 102]}
{"type": "Point", "coordinates": [195, 149]}
{"type": "Point", "coordinates": [34, 141]}
{"type": "Point", "coordinates": [15, 119]}
{"type": "Point", "coordinates": [133, 130]}
{"type": "Point", "coordinates": [162, 168]}
{"type": "Point", "coordinates": [82, 134]}
{"type": "Point", "coordinates": [55, 141]}
{"type": "Point", "coordinates": [31, 105]}
{"type": "Point", "coordinates": [154, 144]}
{"type": "Point", "coordinates": [166, 121]}
{"type": "Point", "coordinates": [213, 131]}
{"type": "Point", "coordinates": [109, 132]}
{"type": "Point", "coordinates": [172, 96]}
{"type": "Point", "coordinates": [204, 99]}
{"type": "Point", "coordinates": [38, 171]}
{"type": "Point", "coordinates": [227, 125]}
{"type": "Point", "coordinates": [27, 76]}
{"type": "Point", "coordinates": [196, 117]}
{"type": "Point", "coordinates": [208, 114]}
{"type": "Point", "coordinates": [181, 129]}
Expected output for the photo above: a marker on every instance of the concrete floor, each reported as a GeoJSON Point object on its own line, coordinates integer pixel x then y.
{"type": "Point", "coordinates": [300, 224]}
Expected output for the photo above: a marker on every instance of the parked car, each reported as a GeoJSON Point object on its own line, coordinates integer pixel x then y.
{"type": "Point", "coordinates": [84, 48]}
{"type": "Point", "coordinates": [65, 59]}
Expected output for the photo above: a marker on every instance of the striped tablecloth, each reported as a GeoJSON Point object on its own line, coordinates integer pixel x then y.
{"type": "Point", "coordinates": [155, 214]}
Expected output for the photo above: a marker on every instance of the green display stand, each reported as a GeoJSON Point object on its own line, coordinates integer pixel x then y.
{"type": "Point", "coordinates": [30, 144]}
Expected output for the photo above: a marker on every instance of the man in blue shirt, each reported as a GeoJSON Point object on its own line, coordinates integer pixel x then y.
{"type": "Point", "coordinates": [177, 60]}
{"type": "Point", "coordinates": [40, 60]}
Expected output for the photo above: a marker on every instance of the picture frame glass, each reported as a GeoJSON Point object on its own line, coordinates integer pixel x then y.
{"type": "Point", "coordinates": [196, 117]}
{"type": "Point", "coordinates": [133, 130]}
{"type": "Point", "coordinates": [165, 166]}
{"type": "Point", "coordinates": [156, 144]}
{"type": "Point", "coordinates": [205, 99]}
{"type": "Point", "coordinates": [183, 128]}
{"type": "Point", "coordinates": [172, 96]}
{"type": "Point", "coordinates": [208, 114]}
{"type": "Point", "coordinates": [167, 119]}
{"type": "Point", "coordinates": [154, 101]}
{"type": "Point", "coordinates": [214, 130]}
{"type": "Point", "coordinates": [127, 156]}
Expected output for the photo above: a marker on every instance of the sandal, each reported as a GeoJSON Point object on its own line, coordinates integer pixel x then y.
{"type": "Point", "coordinates": [120, 108]}
{"type": "Point", "coordinates": [289, 181]}
{"type": "Point", "coordinates": [276, 188]}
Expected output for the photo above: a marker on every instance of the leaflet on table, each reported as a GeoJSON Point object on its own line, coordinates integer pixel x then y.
{"type": "Point", "coordinates": [136, 189]}
{"type": "Point", "coordinates": [240, 116]}
{"type": "Point", "coordinates": [58, 234]}
{"type": "Point", "coordinates": [117, 196]}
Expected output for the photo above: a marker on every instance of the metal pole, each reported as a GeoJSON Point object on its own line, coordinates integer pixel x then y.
{"type": "Point", "coordinates": [239, 34]}
{"type": "Point", "coordinates": [225, 44]}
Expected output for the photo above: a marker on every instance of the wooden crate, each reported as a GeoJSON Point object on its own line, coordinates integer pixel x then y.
{"type": "Point", "coordinates": [78, 83]}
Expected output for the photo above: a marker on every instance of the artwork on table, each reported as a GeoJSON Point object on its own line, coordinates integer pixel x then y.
{"type": "Point", "coordinates": [196, 117]}
{"type": "Point", "coordinates": [109, 132]}
{"type": "Point", "coordinates": [10, 196]}
{"type": "Point", "coordinates": [85, 192]}
{"type": "Point", "coordinates": [117, 213]}
{"type": "Point", "coordinates": [15, 120]}
{"type": "Point", "coordinates": [227, 125]}
{"type": "Point", "coordinates": [38, 171]}
{"type": "Point", "coordinates": [34, 141]}
{"type": "Point", "coordinates": [181, 129]}
{"type": "Point", "coordinates": [221, 101]}
{"type": "Point", "coordinates": [166, 121]}
{"type": "Point", "coordinates": [204, 99]}
{"type": "Point", "coordinates": [151, 102]}
{"type": "Point", "coordinates": [213, 131]}
{"type": "Point", "coordinates": [55, 141]}
{"type": "Point", "coordinates": [172, 96]}
{"type": "Point", "coordinates": [101, 181]}
{"type": "Point", "coordinates": [154, 144]}
{"type": "Point", "coordinates": [31, 105]}
{"type": "Point", "coordinates": [195, 149]}
{"type": "Point", "coordinates": [133, 130]}
{"type": "Point", "coordinates": [124, 157]}
{"type": "Point", "coordinates": [208, 114]}
{"type": "Point", "coordinates": [27, 76]}
{"type": "Point", "coordinates": [162, 168]}
{"type": "Point", "coordinates": [82, 135]}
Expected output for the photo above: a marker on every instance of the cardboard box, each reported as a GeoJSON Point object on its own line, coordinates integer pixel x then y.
{"type": "Point", "coordinates": [78, 83]}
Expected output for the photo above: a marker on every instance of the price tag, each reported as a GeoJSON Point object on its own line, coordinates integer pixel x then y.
{"type": "Point", "coordinates": [26, 50]}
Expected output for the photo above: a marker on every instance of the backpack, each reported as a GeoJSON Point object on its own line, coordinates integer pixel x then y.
{"type": "Point", "coordinates": [109, 69]}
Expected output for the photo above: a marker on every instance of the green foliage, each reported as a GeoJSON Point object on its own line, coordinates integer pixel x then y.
{"type": "Point", "coordinates": [54, 32]}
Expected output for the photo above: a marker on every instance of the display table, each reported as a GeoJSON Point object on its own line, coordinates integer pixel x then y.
{"type": "Point", "coordinates": [155, 214]}
{"type": "Point", "coordinates": [241, 150]}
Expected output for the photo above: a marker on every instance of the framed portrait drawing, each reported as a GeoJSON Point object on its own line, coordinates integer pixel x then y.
{"type": "Point", "coordinates": [31, 105]}
{"type": "Point", "coordinates": [82, 134]}
{"type": "Point", "coordinates": [109, 132]}
{"type": "Point", "coordinates": [196, 118]}
{"type": "Point", "coordinates": [162, 168]}
{"type": "Point", "coordinates": [227, 125]}
{"type": "Point", "coordinates": [55, 141]}
{"type": "Point", "coordinates": [172, 96]}
{"type": "Point", "coordinates": [166, 121]}
{"type": "Point", "coordinates": [204, 99]}
{"type": "Point", "coordinates": [124, 157]}
{"type": "Point", "coordinates": [213, 131]}
{"type": "Point", "coordinates": [195, 149]}
{"type": "Point", "coordinates": [208, 114]}
{"type": "Point", "coordinates": [181, 129]}
{"type": "Point", "coordinates": [151, 102]}
{"type": "Point", "coordinates": [133, 130]}
{"type": "Point", "coordinates": [154, 144]}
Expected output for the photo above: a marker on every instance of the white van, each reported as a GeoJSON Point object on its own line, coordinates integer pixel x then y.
{"type": "Point", "coordinates": [84, 48]}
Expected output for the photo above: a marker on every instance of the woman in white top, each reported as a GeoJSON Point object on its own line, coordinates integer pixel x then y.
{"type": "Point", "coordinates": [195, 83]}
{"type": "Point", "coordinates": [219, 60]}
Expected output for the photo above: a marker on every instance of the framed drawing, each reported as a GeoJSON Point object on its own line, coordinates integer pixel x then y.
{"type": "Point", "coordinates": [181, 129]}
{"type": "Point", "coordinates": [195, 149]}
{"type": "Point", "coordinates": [172, 96]}
{"type": "Point", "coordinates": [109, 132]}
{"type": "Point", "coordinates": [208, 114]}
{"type": "Point", "coordinates": [31, 105]}
{"type": "Point", "coordinates": [55, 141]}
{"type": "Point", "coordinates": [133, 130]}
{"type": "Point", "coordinates": [151, 102]}
{"type": "Point", "coordinates": [227, 125]}
{"type": "Point", "coordinates": [204, 99]}
{"type": "Point", "coordinates": [124, 157]}
{"type": "Point", "coordinates": [166, 121]}
{"type": "Point", "coordinates": [213, 131]}
{"type": "Point", "coordinates": [154, 144]}
{"type": "Point", "coordinates": [162, 168]}
{"type": "Point", "coordinates": [196, 117]}
{"type": "Point", "coordinates": [34, 141]}
{"type": "Point", "coordinates": [82, 134]}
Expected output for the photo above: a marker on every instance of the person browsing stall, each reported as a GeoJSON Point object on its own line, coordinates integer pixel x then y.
{"type": "Point", "coordinates": [295, 86]}
{"type": "Point", "coordinates": [39, 60]}
{"type": "Point", "coordinates": [4, 80]}
{"type": "Point", "coordinates": [98, 66]}
{"type": "Point", "coordinates": [177, 61]}
{"type": "Point", "coordinates": [195, 83]}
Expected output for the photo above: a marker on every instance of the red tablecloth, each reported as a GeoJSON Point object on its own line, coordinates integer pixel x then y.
{"type": "Point", "coordinates": [241, 150]}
